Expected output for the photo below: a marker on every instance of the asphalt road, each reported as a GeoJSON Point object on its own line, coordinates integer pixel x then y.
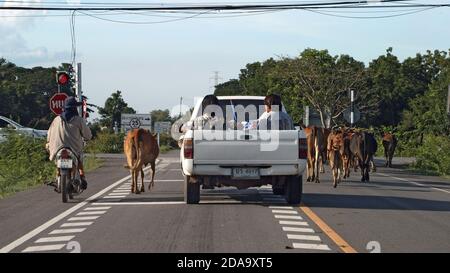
{"type": "Point", "coordinates": [394, 212]}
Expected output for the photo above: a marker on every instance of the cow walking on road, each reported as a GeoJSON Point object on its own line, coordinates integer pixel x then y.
{"type": "Point", "coordinates": [335, 149]}
{"type": "Point", "coordinates": [389, 144]}
{"type": "Point", "coordinates": [141, 148]}
{"type": "Point", "coordinates": [316, 140]}
{"type": "Point", "coordinates": [363, 146]}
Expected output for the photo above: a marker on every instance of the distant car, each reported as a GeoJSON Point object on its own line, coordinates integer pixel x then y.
{"type": "Point", "coordinates": [8, 124]}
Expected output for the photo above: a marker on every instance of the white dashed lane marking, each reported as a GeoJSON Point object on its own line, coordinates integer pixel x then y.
{"type": "Point", "coordinates": [288, 217]}
{"type": "Point", "coordinates": [65, 231]}
{"type": "Point", "coordinates": [304, 237]}
{"type": "Point", "coordinates": [44, 248]}
{"type": "Point", "coordinates": [284, 211]}
{"type": "Point", "coordinates": [91, 212]}
{"type": "Point", "coordinates": [293, 223]}
{"type": "Point", "coordinates": [297, 229]}
{"type": "Point", "coordinates": [97, 208]}
{"type": "Point", "coordinates": [84, 218]}
{"type": "Point", "coordinates": [77, 224]}
{"type": "Point", "coordinates": [55, 239]}
{"type": "Point", "coordinates": [300, 233]}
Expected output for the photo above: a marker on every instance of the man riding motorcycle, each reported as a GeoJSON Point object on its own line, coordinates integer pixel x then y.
{"type": "Point", "coordinates": [69, 130]}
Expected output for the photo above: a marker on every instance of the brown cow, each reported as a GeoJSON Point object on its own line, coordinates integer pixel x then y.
{"type": "Point", "coordinates": [335, 148]}
{"type": "Point", "coordinates": [389, 144]}
{"type": "Point", "coordinates": [141, 148]}
{"type": "Point", "coordinates": [316, 140]}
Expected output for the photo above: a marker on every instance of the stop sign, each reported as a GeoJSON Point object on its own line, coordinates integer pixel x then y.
{"type": "Point", "coordinates": [57, 103]}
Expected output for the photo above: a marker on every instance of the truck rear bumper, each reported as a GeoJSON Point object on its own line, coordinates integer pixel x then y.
{"type": "Point", "coordinates": [274, 170]}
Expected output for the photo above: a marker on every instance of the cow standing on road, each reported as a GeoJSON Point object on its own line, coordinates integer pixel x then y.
{"type": "Point", "coordinates": [141, 148]}
{"type": "Point", "coordinates": [389, 144]}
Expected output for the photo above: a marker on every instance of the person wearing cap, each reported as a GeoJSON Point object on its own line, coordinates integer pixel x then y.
{"type": "Point", "coordinates": [69, 130]}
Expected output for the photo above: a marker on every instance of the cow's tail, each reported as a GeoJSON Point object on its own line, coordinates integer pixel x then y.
{"type": "Point", "coordinates": [135, 140]}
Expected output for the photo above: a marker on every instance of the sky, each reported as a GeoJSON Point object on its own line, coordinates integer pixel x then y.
{"type": "Point", "coordinates": [156, 64]}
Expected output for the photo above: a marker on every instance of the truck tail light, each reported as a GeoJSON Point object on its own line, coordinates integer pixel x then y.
{"type": "Point", "coordinates": [188, 148]}
{"type": "Point", "coordinates": [302, 148]}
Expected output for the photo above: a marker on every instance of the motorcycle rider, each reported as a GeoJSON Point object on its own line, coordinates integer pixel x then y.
{"type": "Point", "coordinates": [69, 130]}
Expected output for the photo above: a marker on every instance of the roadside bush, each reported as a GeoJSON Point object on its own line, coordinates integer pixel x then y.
{"type": "Point", "coordinates": [23, 163]}
{"type": "Point", "coordinates": [106, 143]}
{"type": "Point", "coordinates": [433, 155]}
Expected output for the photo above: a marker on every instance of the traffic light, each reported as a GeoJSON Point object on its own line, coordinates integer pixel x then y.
{"type": "Point", "coordinates": [62, 78]}
{"type": "Point", "coordinates": [65, 82]}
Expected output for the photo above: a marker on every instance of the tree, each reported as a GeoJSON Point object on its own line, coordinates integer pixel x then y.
{"type": "Point", "coordinates": [160, 115]}
{"type": "Point", "coordinates": [114, 107]}
{"type": "Point", "coordinates": [323, 81]}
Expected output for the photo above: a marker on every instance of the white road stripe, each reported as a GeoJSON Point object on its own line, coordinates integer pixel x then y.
{"type": "Point", "coordinates": [83, 218]}
{"type": "Point", "coordinates": [70, 230]}
{"type": "Point", "coordinates": [292, 217]}
{"type": "Point", "coordinates": [118, 194]}
{"type": "Point", "coordinates": [139, 203]}
{"type": "Point", "coordinates": [297, 229]}
{"type": "Point", "coordinates": [77, 224]}
{"type": "Point", "coordinates": [124, 190]}
{"type": "Point", "coordinates": [284, 211]}
{"type": "Point", "coordinates": [165, 180]}
{"type": "Point", "coordinates": [97, 208]}
{"type": "Point", "coordinates": [293, 223]}
{"type": "Point", "coordinates": [304, 237]}
{"type": "Point", "coordinates": [311, 246]}
{"type": "Point", "coordinates": [220, 202]}
{"type": "Point", "coordinates": [61, 216]}
{"type": "Point", "coordinates": [415, 183]}
{"type": "Point", "coordinates": [115, 196]}
{"type": "Point", "coordinates": [55, 239]}
{"type": "Point", "coordinates": [43, 248]}
{"type": "Point", "coordinates": [280, 207]}
{"type": "Point", "coordinates": [91, 212]}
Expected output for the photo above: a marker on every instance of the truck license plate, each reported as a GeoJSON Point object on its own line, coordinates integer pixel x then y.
{"type": "Point", "coordinates": [245, 173]}
{"type": "Point", "coordinates": [64, 163]}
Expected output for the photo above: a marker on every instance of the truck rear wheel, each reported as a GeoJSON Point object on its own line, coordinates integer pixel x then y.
{"type": "Point", "coordinates": [191, 191]}
{"type": "Point", "coordinates": [278, 190]}
{"type": "Point", "coordinates": [294, 189]}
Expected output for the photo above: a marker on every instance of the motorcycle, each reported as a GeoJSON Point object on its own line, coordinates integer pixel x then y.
{"type": "Point", "coordinates": [68, 181]}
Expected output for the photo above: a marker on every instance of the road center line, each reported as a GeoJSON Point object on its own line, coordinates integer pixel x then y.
{"type": "Point", "coordinates": [342, 244]}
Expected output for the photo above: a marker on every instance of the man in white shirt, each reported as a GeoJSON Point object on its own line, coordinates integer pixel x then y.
{"type": "Point", "coordinates": [273, 117]}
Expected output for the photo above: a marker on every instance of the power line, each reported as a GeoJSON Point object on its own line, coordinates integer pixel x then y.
{"type": "Point", "coordinates": [342, 4]}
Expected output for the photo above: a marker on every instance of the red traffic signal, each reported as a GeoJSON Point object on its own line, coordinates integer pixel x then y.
{"type": "Point", "coordinates": [62, 78]}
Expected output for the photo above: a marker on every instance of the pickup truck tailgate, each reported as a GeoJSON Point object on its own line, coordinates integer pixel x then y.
{"type": "Point", "coordinates": [237, 148]}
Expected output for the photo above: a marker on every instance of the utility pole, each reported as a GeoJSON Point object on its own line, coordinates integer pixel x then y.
{"type": "Point", "coordinates": [216, 78]}
{"type": "Point", "coordinates": [448, 100]}
{"type": "Point", "coordinates": [181, 102]}
{"type": "Point", "coordinates": [352, 113]}
{"type": "Point", "coordinates": [78, 90]}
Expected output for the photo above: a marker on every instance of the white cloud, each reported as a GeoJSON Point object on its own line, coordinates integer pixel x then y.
{"type": "Point", "coordinates": [14, 47]}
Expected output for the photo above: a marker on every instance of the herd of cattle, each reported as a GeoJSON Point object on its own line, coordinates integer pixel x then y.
{"type": "Point", "coordinates": [344, 148]}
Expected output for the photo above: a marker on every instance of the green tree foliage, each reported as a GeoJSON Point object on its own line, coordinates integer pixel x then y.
{"type": "Point", "coordinates": [160, 115]}
{"type": "Point", "coordinates": [114, 107]}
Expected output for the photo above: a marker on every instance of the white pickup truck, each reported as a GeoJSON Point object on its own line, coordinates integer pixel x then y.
{"type": "Point", "coordinates": [242, 158]}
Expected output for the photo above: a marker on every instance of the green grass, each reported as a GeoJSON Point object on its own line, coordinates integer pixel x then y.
{"type": "Point", "coordinates": [164, 149]}
{"type": "Point", "coordinates": [24, 164]}
{"type": "Point", "coordinates": [91, 163]}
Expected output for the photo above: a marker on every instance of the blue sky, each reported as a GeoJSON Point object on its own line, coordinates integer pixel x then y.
{"type": "Point", "coordinates": [153, 65]}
